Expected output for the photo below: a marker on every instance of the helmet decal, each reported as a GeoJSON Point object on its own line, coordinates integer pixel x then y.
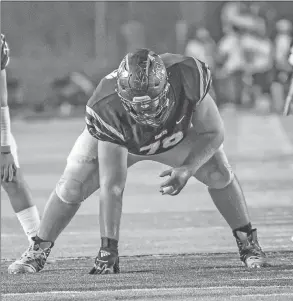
{"type": "Point", "coordinates": [140, 80]}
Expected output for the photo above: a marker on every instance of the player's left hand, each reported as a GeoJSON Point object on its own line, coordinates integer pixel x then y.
{"type": "Point", "coordinates": [178, 179]}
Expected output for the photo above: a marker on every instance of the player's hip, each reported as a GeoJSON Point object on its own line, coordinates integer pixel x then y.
{"type": "Point", "coordinates": [85, 148]}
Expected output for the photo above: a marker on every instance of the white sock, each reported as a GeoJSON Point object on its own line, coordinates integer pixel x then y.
{"type": "Point", "coordinates": [30, 221]}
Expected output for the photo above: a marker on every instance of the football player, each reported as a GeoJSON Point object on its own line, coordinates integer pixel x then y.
{"type": "Point", "coordinates": [11, 177]}
{"type": "Point", "coordinates": [152, 108]}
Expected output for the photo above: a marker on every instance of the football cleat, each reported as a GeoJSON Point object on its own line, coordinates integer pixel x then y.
{"type": "Point", "coordinates": [107, 262]}
{"type": "Point", "coordinates": [33, 259]}
{"type": "Point", "coordinates": [250, 251]}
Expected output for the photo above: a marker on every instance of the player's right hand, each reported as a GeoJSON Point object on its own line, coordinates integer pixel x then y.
{"type": "Point", "coordinates": [8, 167]}
{"type": "Point", "coordinates": [107, 262]}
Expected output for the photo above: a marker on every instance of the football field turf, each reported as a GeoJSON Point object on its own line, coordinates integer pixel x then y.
{"type": "Point", "coordinates": [172, 248]}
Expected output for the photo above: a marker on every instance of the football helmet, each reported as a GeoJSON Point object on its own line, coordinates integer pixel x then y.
{"type": "Point", "coordinates": [142, 85]}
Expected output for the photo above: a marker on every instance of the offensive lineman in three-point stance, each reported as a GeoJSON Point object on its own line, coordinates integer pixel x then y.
{"type": "Point", "coordinates": [154, 107]}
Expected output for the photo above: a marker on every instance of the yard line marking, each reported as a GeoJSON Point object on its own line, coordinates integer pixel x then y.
{"type": "Point", "coordinates": [150, 290]}
{"type": "Point", "coordinates": [261, 295]}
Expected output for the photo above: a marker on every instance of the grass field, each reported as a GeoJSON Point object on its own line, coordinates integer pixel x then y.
{"type": "Point", "coordinates": [172, 248]}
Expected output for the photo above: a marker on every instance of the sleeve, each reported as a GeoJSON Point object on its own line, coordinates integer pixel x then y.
{"type": "Point", "coordinates": [196, 80]}
{"type": "Point", "coordinates": [4, 52]}
{"type": "Point", "coordinates": [102, 122]}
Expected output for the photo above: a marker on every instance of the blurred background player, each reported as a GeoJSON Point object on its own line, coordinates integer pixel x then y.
{"type": "Point", "coordinates": [200, 45]}
{"type": "Point", "coordinates": [282, 43]}
{"type": "Point", "coordinates": [258, 54]}
{"type": "Point", "coordinates": [12, 180]}
{"type": "Point", "coordinates": [154, 108]}
{"type": "Point", "coordinates": [230, 67]}
{"type": "Point", "coordinates": [288, 108]}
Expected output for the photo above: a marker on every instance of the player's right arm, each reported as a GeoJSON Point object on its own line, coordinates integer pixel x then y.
{"type": "Point", "coordinates": [104, 125]}
{"type": "Point", "coordinates": [113, 172]}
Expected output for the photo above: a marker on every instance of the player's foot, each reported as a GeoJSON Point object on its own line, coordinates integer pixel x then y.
{"type": "Point", "coordinates": [250, 251]}
{"type": "Point", "coordinates": [33, 259]}
{"type": "Point", "coordinates": [107, 262]}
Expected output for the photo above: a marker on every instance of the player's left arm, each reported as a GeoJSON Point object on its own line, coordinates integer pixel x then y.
{"type": "Point", "coordinates": [208, 127]}
{"type": "Point", "coordinates": [207, 133]}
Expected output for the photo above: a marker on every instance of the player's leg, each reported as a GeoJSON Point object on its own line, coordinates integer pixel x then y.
{"type": "Point", "coordinates": [217, 175]}
{"type": "Point", "coordinates": [79, 180]}
{"type": "Point", "coordinates": [21, 199]}
{"type": "Point", "coordinates": [226, 193]}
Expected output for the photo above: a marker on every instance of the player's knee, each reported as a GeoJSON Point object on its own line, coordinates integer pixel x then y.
{"type": "Point", "coordinates": [220, 178]}
{"type": "Point", "coordinates": [70, 191]}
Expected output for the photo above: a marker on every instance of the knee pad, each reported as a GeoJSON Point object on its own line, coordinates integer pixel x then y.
{"type": "Point", "coordinates": [70, 191]}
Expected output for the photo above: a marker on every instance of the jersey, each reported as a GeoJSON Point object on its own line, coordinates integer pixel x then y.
{"type": "Point", "coordinates": [107, 120]}
{"type": "Point", "coordinates": [4, 52]}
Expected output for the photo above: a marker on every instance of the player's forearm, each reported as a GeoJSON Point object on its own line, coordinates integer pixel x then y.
{"type": "Point", "coordinates": [204, 147]}
{"type": "Point", "coordinates": [110, 212]}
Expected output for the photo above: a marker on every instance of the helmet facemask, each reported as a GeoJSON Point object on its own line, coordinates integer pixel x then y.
{"type": "Point", "coordinates": [143, 88]}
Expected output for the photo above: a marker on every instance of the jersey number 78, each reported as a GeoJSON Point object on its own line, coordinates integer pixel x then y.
{"type": "Point", "coordinates": [164, 143]}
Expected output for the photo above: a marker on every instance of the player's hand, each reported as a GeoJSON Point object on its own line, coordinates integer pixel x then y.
{"type": "Point", "coordinates": [107, 262]}
{"type": "Point", "coordinates": [8, 167]}
{"type": "Point", "coordinates": [177, 180]}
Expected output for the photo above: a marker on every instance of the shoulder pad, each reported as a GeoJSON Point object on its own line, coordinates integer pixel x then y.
{"type": "Point", "coordinates": [105, 88]}
{"type": "Point", "coordinates": [196, 79]}
{"type": "Point", "coordinates": [171, 59]}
